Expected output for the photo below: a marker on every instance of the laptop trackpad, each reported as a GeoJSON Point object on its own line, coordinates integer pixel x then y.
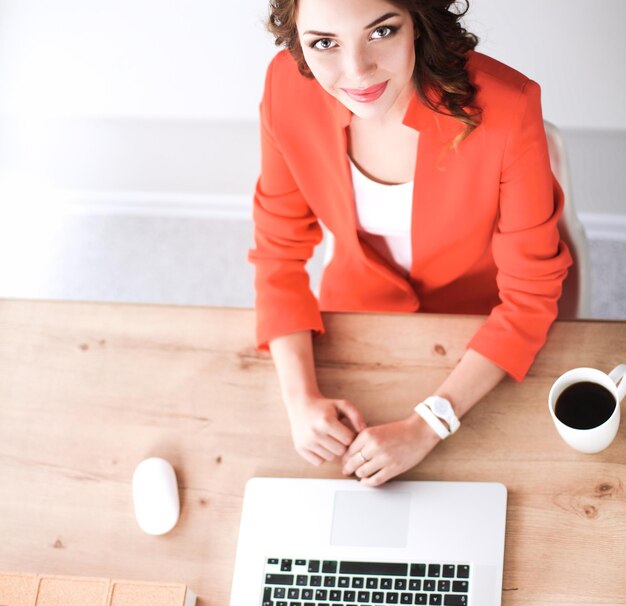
{"type": "Point", "coordinates": [374, 519]}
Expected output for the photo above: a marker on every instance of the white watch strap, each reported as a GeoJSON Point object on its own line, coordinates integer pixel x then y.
{"type": "Point", "coordinates": [436, 404]}
{"type": "Point", "coordinates": [429, 416]}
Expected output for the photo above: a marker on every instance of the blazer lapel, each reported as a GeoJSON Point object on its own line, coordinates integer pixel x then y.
{"type": "Point", "coordinates": [437, 131]}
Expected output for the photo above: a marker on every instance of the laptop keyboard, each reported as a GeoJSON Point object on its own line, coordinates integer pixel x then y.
{"type": "Point", "coordinates": [292, 582]}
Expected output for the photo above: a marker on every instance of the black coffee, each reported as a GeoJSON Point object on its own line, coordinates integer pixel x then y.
{"type": "Point", "coordinates": [584, 405]}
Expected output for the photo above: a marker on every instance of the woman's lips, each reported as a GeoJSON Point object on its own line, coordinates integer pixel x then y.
{"type": "Point", "coordinates": [366, 95]}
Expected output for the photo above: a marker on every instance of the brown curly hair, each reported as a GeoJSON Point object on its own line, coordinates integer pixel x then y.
{"type": "Point", "coordinates": [441, 46]}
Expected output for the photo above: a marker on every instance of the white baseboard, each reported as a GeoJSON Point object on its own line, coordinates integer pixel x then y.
{"type": "Point", "coordinates": [598, 226]}
{"type": "Point", "coordinates": [161, 204]}
{"type": "Point", "coordinates": [601, 226]}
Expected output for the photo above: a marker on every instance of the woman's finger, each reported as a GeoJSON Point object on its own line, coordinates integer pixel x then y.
{"type": "Point", "coordinates": [354, 462]}
{"type": "Point", "coordinates": [358, 445]}
{"type": "Point", "coordinates": [365, 470]}
{"type": "Point", "coordinates": [341, 433]}
{"type": "Point", "coordinates": [378, 478]}
{"type": "Point", "coordinates": [310, 457]}
{"type": "Point", "coordinates": [352, 413]}
{"type": "Point", "coordinates": [322, 452]}
{"type": "Point", "coordinates": [332, 445]}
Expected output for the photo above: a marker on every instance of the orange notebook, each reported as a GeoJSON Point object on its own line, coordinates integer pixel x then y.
{"type": "Point", "coordinates": [19, 589]}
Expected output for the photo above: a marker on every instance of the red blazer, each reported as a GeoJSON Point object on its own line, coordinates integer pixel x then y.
{"type": "Point", "coordinates": [484, 220]}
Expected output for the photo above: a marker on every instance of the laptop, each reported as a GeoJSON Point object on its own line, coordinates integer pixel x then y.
{"type": "Point", "coordinates": [314, 542]}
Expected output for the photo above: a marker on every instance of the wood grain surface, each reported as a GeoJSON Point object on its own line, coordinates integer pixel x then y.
{"type": "Point", "coordinates": [89, 390]}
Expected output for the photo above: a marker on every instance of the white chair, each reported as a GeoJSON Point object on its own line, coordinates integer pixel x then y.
{"type": "Point", "coordinates": [575, 301]}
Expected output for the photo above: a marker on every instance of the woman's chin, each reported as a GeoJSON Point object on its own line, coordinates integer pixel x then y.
{"type": "Point", "coordinates": [366, 111]}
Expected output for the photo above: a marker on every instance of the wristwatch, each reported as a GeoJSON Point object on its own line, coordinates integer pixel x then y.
{"type": "Point", "coordinates": [439, 414]}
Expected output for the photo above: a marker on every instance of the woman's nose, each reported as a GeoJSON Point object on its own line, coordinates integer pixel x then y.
{"type": "Point", "coordinates": [358, 66]}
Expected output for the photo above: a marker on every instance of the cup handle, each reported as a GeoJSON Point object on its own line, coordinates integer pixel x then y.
{"type": "Point", "coordinates": [618, 376]}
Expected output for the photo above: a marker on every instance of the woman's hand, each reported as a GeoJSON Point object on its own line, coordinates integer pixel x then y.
{"type": "Point", "coordinates": [382, 452]}
{"type": "Point", "coordinates": [323, 428]}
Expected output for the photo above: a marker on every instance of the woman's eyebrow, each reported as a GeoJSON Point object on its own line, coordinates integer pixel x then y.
{"type": "Point", "coordinates": [381, 19]}
{"type": "Point", "coordinates": [372, 24]}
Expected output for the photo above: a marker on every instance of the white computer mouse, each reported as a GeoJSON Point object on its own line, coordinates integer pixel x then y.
{"type": "Point", "coordinates": [155, 494]}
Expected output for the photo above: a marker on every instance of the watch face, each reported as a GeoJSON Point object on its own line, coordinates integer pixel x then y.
{"type": "Point", "coordinates": [441, 407]}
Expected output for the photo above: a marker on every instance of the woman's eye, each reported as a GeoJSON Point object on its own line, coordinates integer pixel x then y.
{"type": "Point", "coordinates": [383, 32]}
{"type": "Point", "coordinates": [324, 44]}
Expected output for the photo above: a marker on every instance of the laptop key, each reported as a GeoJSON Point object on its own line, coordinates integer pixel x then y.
{"type": "Point", "coordinates": [462, 571]}
{"type": "Point", "coordinates": [385, 583]}
{"type": "Point", "coordinates": [421, 598]}
{"type": "Point", "coordinates": [334, 595]}
{"type": "Point", "coordinates": [377, 597]}
{"type": "Point", "coordinates": [415, 584]}
{"type": "Point", "coordinates": [443, 586]}
{"type": "Point", "coordinates": [349, 595]}
{"type": "Point", "coordinates": [293, 594]}
{"type": "Point", "coordinates": [371, 583]}
{"type": "Point", "coordinates": [314, 565]}
{"type": "Point", "coordinates": [448, 571]}
{"type": "Point", "coordinates": [391, 598]}
{"type": "Point", "coordinates": [279, 579]}
{"type": "Point", "coordinates": [435, 599]}
{"type": "Point", "coordinates": [315, 580]}
{"type": "Point", "coordinates": [285, 565]}
{"type": "Point", "coordinates": [406, 598]}
{"type": "Point", "coordinates": [302, 580]}
{"type": "Point", "coordinates": [363, 596]}
{"type": "Point", "coordinates": [321, 594]}
{"type": "Point", "coordinates": [430, 585]}
{"type": "Point", "coordinates": [378, 568]}
{"type": "Point", "coordinates": [329, 581]}
{"type": "Point", "coordinates": [272, 560]}
{"type": "Point", "coordinates": [279, 593]}
{"type": "Point", "coordinates": [434, 570]}
{"type": "Point", "coordinates": [307, 594]}
{"type": "Point", "coordinates": [358, 582]}
{"type": "Point", "coordinates": [329, 567]}
{"type": "Point", "coordinates": [344, 582]}
{"type": "Point", "coordinates": [460, 586]}
{"type": "Point", "coordinates": [418, 570]}
{"type": "Point", "coordinates": [455, 600]}
{"type": "Point", "coordinates": [300, 562]}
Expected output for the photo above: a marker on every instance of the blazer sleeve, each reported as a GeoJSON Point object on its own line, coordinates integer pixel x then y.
{"type": "Point", "coordinates": [285, 233]}
{"type": "Point", "coordinates": [531, 259]}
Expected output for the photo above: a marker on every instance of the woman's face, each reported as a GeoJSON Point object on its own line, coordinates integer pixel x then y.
{"type": "Point", "coordinates": [361, 52]}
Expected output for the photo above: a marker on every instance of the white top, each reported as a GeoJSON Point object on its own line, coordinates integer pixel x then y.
{"type": "Point", "coordinates": [384, 217]}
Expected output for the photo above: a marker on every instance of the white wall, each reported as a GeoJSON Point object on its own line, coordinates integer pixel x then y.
{"type": "Point", "coordinates": [198, 59]}
{"type": "Point", "coordinates": [574, 48]}
{"type": "Point", "coordinates": [203, 59]}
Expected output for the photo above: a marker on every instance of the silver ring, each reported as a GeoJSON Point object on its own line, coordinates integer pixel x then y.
{"type": "Point", "coordinates": [363, 459]}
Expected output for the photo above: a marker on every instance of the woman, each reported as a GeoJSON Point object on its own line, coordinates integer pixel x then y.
{"type": "Point", "coordinates": [428, 163]}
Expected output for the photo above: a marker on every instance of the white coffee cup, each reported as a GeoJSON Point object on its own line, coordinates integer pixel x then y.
{"type": "Point", "coordinates": [597, 438]}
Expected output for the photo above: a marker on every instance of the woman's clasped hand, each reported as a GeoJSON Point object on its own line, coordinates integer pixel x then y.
{"type": "Point", "coordinates": [326, 429]}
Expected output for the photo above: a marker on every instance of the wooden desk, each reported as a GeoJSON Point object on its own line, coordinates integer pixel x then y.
{"type": "Point", "coordinates": [89, 390]}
